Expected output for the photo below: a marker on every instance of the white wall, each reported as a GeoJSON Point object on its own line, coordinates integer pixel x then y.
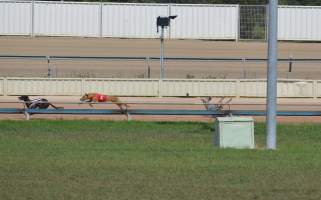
{"type": "Point", "coordinates": [131, 20]}
{"type": "Point", "coordinates": [15, 18]}
{"type": "Point", "coordinates": [122, 87]}
{"type": "Point", "coordinates": [204, 21]}
{"type": "Point", "coordinates": [299, 23]}
{"type": "Point", "coordinates": [43, 86]}
{"type": "Point", "coordinates": [2, 86]}
{"type": "Point", "coordinates": [67, 19]}
{"type": "Point", "coordinates": [195, 21]}
{"type": "Point", "coordinates": [155, 87]}
{"type": "Point", "coordinates": [128, 20]}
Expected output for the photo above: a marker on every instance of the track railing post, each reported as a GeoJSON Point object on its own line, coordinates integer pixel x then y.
{"type": "Point", "coordinates": [160, 87]}
{"type": "Point", "coordinates": [49, 67]}
{"type": "Point", "coordinates": [5, 86]}
{"type": "Point", "coordinates": [315, 89]}
{"type": "Point", "coordinates": [238, 89]}
{"type": "Point", "coordinates": [148, 67]}
{"type": "Point", "coordinates": [244, 67]}
{"type": "Point", "coordinates": [290, 62]}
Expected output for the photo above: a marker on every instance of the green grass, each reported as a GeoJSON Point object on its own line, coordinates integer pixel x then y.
{"type": "Point", "coordinates": [153, 160]}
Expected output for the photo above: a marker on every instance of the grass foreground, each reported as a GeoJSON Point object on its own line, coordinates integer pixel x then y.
{"type": "Point", "coordinates": [42, 159]}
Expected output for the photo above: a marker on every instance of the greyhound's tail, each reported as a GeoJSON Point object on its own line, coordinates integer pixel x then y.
{"type": "Point", "coordinates": [55, 107]}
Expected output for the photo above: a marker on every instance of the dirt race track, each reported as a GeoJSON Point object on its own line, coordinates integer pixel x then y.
{"type": "Point", "coordinates": [67, 46]}
{"type": "Point", "coordinates": [236, 104]}
{"type": "Point", "coordinates": [63, 46]}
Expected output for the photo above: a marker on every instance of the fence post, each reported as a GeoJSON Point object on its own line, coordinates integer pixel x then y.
{"type": "Point", "coordinates": [101, 20]}
{"type": "Point", "coordinates": [160, 87]}
{"type": "Point", "coordinates": [49, 67]}
{"type": "Point", "coordinates": [5, 86]}
{"type": "Point", "coordinates": [32, 18]}
{"type": "Point", "coordinates": [238, 23]}
{"type": "Point", "coordinates": [244, 70]}
{"type": "Point", "coordinates": [238, 88]}
{"type": "Point", "coordinates": [169, 7]}
{"type": "Point", "coordinates": [148, 67]}
{"type": "Point", "coordinates": [290, 62]}
{"type": "Point", "coordinates": [315, 89]}
{"type": "Point", "coordinates": [267, 12]}
{"type": "Point", "coordinates": [82, 86]}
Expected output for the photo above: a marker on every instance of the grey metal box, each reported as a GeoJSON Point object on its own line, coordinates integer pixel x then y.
{"type": "Point", "coordinates": [234, 132]}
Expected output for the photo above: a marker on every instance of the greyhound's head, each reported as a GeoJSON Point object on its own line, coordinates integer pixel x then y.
{"type": "Point", "coordinates": [24, 98]}
{"type": "Point", "coordinates": [86, 97]}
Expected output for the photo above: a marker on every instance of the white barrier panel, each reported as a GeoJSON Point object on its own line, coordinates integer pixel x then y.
{"type": "Point", "coordinates": [15, 18]}
{"type": "Point", "coordinates": [299, 23]}
{"type": "Point", "coordinates": [44, 86]}
{"type": "Point", "coordinates": [286, 88]}
{"type": "Point", "coordinates": [131, 20]}
{"type": "Point", "coordinates": [67, 19]}
{"type": "Point", "coordinates": [318, 89]}
{"type": "Point", "coordinates": [196, 21]}
{"type": "Point", "coordinates": [295, 88]}
{"type": "Point", "coordinates": [155, 87]}
{"type": "Point", "coordinates": [2, 86]}
{"type": "Point", "coordinates": [252, 88]}
{"type": "Point", "coordinates": [198, 87]}
{"type": "Point", "coordinates": [122, 87]}
{"type": "Point", "coordinates": [126, 20]}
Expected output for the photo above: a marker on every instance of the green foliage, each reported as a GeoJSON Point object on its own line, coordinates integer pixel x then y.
{"type": "Point", "coordinates": [153, 160]}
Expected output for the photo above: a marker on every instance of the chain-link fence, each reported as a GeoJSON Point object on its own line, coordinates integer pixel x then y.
{"type": "Point", "coordinates": [253, 22]}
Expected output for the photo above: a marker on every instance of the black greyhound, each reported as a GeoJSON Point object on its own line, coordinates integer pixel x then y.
{"type": "Point", "coordinates": [40, 103]}
{"type": "Point", "coordinates": [217, 106]}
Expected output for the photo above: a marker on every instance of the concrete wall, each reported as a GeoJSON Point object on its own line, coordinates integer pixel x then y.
{"type": "Point", "coordinates": [155, 87]}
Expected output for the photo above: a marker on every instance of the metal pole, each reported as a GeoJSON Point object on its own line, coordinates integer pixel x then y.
{"type": "Point", "coordinates": [49, 67]}
{"type": "Point", "coordinates": [148, 67]}
{"type": "Point", "coordinates": [244, 69]}
{"type": "Point", "coordinates": [271, 103]}
{"type": "Point", "coordinates": [162, 54]}
{"type": "Point", "coordinates": [290, 62]}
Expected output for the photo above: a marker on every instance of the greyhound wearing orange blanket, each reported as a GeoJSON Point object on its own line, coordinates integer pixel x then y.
{"type": "Point", "coordinates": [97, 97]}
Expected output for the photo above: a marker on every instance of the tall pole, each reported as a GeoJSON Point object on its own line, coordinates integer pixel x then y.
{"type": "Point", "coordinates": [162, 54]}
{"type": "Point", "coordinates": [271, 105]}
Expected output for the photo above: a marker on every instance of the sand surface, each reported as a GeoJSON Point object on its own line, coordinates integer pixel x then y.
{"type": "Point", "coordinates": [235, 104]}
{"type": "Point", "coordinates": [69, 46]}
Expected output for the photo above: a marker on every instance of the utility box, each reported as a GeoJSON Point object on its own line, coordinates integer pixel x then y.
{"type": "Point", "coordinates": [234, 132]}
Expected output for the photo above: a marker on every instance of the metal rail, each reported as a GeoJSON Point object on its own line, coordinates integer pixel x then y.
{"type": "Point", "coordinates": [155, 112]}
{"type": "Point", "coordinates": [142, 58]}
{"type": "Point", "coordinates": [165, 103]}
{"type": "Point", "coordinates": [148, 59]}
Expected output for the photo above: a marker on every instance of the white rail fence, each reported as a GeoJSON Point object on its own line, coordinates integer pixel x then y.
{"type": "Point", "coordinates": [128, 20]}
{"type": "Point", "coordinates": [155, 87]}
{"type": "Point", "coordinates": [197, 21]}
{"type": "Point", "coordinates": [299, 23]}
{"type": "Point", "coordinates": [138, 20]}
